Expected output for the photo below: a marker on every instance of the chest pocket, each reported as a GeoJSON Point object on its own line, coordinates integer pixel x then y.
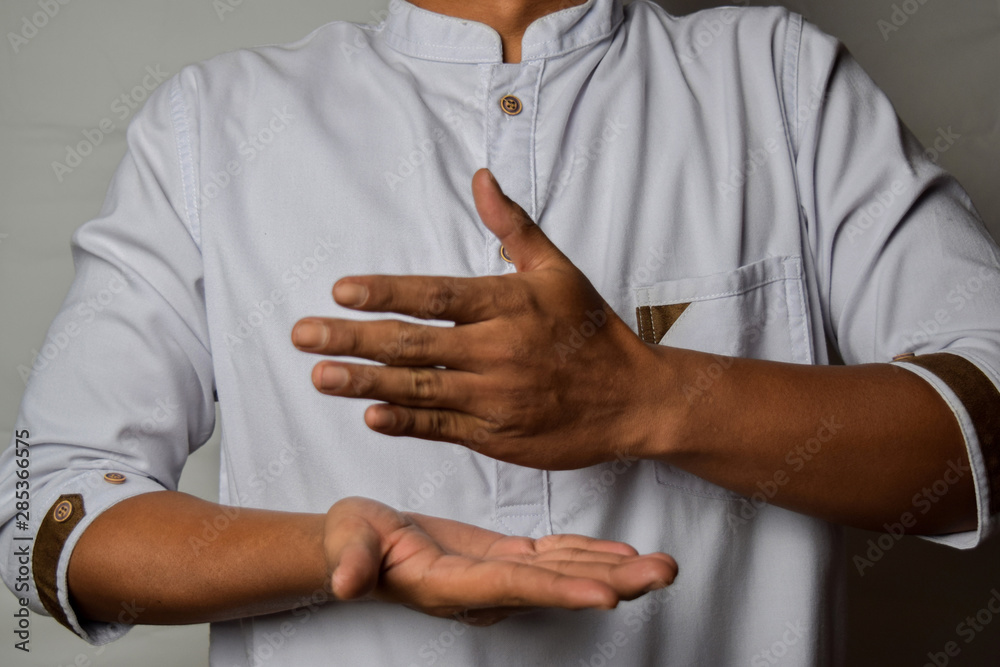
{"type": "Point", "coordinates": [757, 311]}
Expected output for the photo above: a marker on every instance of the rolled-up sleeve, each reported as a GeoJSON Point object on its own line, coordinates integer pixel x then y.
{"type": "Point", "coordinates": [907, 272]}
{"type": "Point", "coordinates": [122, 389]}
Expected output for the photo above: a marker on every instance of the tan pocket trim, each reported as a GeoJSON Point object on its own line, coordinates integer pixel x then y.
{"type": "Point", "coordinates": [655, 321]}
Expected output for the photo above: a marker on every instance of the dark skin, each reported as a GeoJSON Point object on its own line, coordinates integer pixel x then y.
{"type": "Point", "coordinates": [140, 552]}
{"type": "Point", "coordinates": [889, 432]}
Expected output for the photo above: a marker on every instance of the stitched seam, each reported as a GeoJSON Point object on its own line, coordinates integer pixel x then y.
{"type": "Point", "coordinates": [644, 312]}
{"type": "Point", "coordinates": [794, 274]}
{"type": "Point", "coordinates": [419, 47]}
{"type": "Point", "coordinates": [534, 141]}
{"type": "Point", "coordinates": [486, 113]}
{"type": "Point", "coordinates": [513, 530]}
{"type": "Point", "coordinates": [597, 32]}
{"type": "Point", "coordinates": [185, 160]}
{"type": "Point", "coordinates": [790, 76]}
{"type": "Point", "coordinates": [574, 46]}
{"type": "Point", "coordinates": [546, 502]}
{"type": "Point", "coordinates": [741, 290]}
{"type": "Point", "coordinates": [978, 360]}
{"type": "Point", "coordinates": [584, 40]}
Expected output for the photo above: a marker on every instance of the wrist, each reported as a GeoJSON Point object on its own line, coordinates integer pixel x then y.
{"type": "Point", "coordinates": [662, 410]}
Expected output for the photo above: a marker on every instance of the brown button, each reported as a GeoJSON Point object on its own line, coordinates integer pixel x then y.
{"type": "Point", "coordinates": [511, 105]}
{"type": "Point", "coordinates": [506, 257]}
{"type": "Point", "coordinates": [901, 357]}
{"type": "Point", "coordinates": [114, 478]}
{"type": "Point", "coordinates": [63, 511]}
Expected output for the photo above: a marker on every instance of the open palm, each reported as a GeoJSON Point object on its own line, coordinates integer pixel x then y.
{"type": "Point", "coordinates": [445, 568]}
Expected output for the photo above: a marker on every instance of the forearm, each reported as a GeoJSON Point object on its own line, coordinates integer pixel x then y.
{"type": "Point", "coordinates": [181, 559]}
{"type": "Point", "coordinates": [857, 445]}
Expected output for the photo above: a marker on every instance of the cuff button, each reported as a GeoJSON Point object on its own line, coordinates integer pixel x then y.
{"type": "Point", "coordinates": [63, 511]}
{"type": "Point", "coordinates": [114, 478]}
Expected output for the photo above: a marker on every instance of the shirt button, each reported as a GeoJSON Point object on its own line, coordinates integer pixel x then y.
{"type": "Point", "coordinates": [63, 511]}
{"type": "Point", "coordinates": [114, 478]}
{"type": "Point", "coordinates": [511, 105]}
{"type": "Point", "coordinates": [505, 256]}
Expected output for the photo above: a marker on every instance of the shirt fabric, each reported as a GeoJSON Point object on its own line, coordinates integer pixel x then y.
{"type": "Point", "coordinates": [737, 160]}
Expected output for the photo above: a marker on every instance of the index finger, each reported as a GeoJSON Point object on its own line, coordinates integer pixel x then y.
{"type": "Point", "coordinates": [459, 300]}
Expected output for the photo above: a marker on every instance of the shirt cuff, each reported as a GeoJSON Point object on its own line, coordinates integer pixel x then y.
{"type": "Point", "coordinates": [969, 387]}
{"type": "Point", "coordinates": [89, 495]}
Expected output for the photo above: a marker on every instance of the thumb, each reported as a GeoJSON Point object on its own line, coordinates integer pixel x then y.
{"type": "Point", "coordinates": [356, 550]}
{"type": "Point", "coordinates": [523, 240]}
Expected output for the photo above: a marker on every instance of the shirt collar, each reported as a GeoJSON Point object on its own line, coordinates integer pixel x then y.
{"type": "Point", "coordinates": [424, 34]}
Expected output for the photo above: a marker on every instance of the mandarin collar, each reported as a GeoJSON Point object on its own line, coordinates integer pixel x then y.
{"type": "Point", "coordinates": [420, 33]}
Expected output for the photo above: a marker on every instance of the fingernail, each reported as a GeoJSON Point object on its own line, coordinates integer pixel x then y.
{"type": "Point", "coordinates": [334, 377]}
{"type": "Point", "coordinates": [493, 178]}
{"type": "Point", "coordinates": [310, 335]}
{"type": "Point", "coordinates": [350, 294]}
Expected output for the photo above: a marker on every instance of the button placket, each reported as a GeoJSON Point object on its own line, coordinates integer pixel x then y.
{"type": "Point", "coordinates": [521, 502]}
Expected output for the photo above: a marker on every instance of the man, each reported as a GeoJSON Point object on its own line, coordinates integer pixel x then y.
{"type": "Point", "coordinates": [724, 204]}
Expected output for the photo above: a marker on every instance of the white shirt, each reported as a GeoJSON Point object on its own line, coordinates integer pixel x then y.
{"type": "Point", "coordinates": [737, 159]}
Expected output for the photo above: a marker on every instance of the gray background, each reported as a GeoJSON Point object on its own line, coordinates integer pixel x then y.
{"type": "Point", "coordinates": [941, 68]}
